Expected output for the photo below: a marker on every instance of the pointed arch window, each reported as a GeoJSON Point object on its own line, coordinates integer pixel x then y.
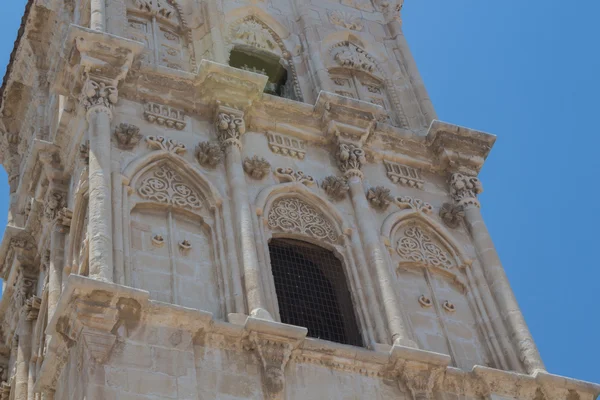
{"type": "Point", "coordinates": [312, 291]}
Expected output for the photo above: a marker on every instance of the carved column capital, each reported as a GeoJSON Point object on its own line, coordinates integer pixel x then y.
{"type": "Point", "coordinates": [55, 202]}
{"type": "Point", "coordinates": [32, 308]}
{"type": "Point", "coordinates": [421, 379]}
{"type": "Point", "coordinates": [350, 159]}
{"type": "Point", "coordinates": [464, 189]}
{"type": "Point", "coordinates": [97, 97]}
{"type": "Point", "coordinates": [231, 126]}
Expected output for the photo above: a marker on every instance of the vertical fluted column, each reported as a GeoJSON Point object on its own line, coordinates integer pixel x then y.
{"type": "Point", "coordinates": [464, 190]}
{"type": "Point", "coordinates": [99, 100]}
{"type": "Point", "coordinates": [230, 128]}
{"type": "Point", "coordinates": [350, 160]}
{"type": "Point", "coordinates": [98, 15]}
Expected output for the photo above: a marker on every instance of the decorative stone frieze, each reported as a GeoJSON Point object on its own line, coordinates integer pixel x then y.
{"type": "Point", "coordinates": [295, 216]}
{"type": "Point", "coordinates": [335, 187]}
{"type": "Point", "coordinates": [160, 8]}
{"type": "Point", "coordinates": [464, 189]}
{"type": "Point", "coordinates": [287, 146]}
{"type": "Point", "coordinates": [350, 158]}
{"type": "Point", "coordinates": [257, 167]}
{"type": "Point", "coordinates": [379, 197]}
{"type": "Point", "coordinates": [98, 94]}
{"type": "Point", "coordinates": [166, 186]}
{"type": "Point", "coordinates": [230, 127]}
{"type": "Point", "coordinates": [403, 174]}
{"type": "Point", "coordinates": [209, 154]}
{"type": "Point", "coordinates": [127, 136]}
{"type": "Point", "coordinates": [164, 115]}
{"type": "Point", "coordinates": [165, 144]}
{"type": "Point", "coordinates": [452, 214]}
{"type": "Point", "coordinates": [349, 55]}
{"type": "Point", "coordinates": [407, 202]}
{"type": "Point", "coordinates": [289, 175]}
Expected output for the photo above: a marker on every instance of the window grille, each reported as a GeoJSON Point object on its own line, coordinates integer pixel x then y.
{"type": "Point", "coordinates": [312, 291]}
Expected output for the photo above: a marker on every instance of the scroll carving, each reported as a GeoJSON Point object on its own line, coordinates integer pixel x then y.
{"type": "Point", "coordinates": [464, 189]}
{"type": "Point", "coordinates": [166, 186]}
{"type": "Point", "coordinates": [162, 143]}
{"type": "Point", "coordinates": [350, 158]}
{"type": "Point", "coordinates": [294, 215]}
{"type": "Point", "coordinates": [289, 175]}
{"type": "Point", "coordinates": [98, 94]}
{"type": "Point", "coordinates": [407, 202]}
{"type": "Point", "coordinates": [418, 247]}
{"type": "Point", "coordinates": [230, 128]}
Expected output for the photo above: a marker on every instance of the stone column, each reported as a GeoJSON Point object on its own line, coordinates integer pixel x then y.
{"type": "Point", "coordinates": [99, 100]}
{"type": "Point", "coordinates": [55, 270]}
{"type": "Point", "coordinates": [230, 128]}
{"type": "Point", "coordinates": [98, 15]}
{"type": "Point", "coordinates": [464, 190]}
{"type": "Point", "coordinates": [350, 160]}
{"type": "Point", "coordinates": [29, 313]}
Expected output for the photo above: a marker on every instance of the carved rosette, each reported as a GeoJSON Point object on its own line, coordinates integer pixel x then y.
{"type": "Point", "coordinates": [335, 187]}
{"type": "Point", "coordinates": [98, 96]}
{"type": "Point", "coordinates": [452, 214]}
{"type": "Point", "coordinates": [209, 154]}
{"type": "Point", "coordinates": [379, 197]}
{"type": "Point", "coordinates": [464, 189]}
{"type": "Point", "coordinates": [257, 167]}
{"type": "Point", "coordinates": [127, 136]}
{"type": "Point", "coordinates": [289, 175]}
{"type": "Point", "coordinates": [230, 128]}
{"type": "Point", "coordinates": [350, 159]}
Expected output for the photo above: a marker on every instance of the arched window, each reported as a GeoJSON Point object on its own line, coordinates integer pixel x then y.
{"type": "Point", "coordinates": [312, 291]}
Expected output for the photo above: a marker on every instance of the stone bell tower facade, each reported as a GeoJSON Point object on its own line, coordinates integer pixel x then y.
{"type": "Point", "coordinates": [245, 199]}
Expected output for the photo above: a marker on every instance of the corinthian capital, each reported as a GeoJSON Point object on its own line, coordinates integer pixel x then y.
{"type": "Point", "coordinates": [350, 159]}
{"type": "Point", "coordinates": [94, 94]}
{"type": "Point", "coordinates": [230, 127]}
{"type": "Point", "coordinates": [464, 189]}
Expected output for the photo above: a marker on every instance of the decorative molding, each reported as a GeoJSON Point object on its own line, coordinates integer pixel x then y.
{"type": "Point", "coordinates": [252, 32]}
{"type": "Point", "coordinates": [379, 197]}
{"type": "Point", "coordinates": [128, 136]}
{"type": "Point", "coordinates": [157, 8]}
{"type": "Point", "coordinates": [55, 202]}
{"type": "Point", "coordinates": [452, 214]}
{"type": "Point", "coordinates": [286, 146]}
{"type": "Point", "coordinates": [165, 144]}
{"type": "Point", "coordinates": [230, 127]}
{"type": "Point", "coordinates": [350, 158]}
{"type": "Point", "coordinates": [407, 202]}
{"type": "Point", "coordinates": [416, 246]}
{"type": "Point", "coordinates": [94, 94]}
{"type": "Point", "coordinates": [164, 115]}
{"type": "Point", "coordinates": [166, 186]}
{"type": "Point", "coordinates": [464, 189]}
{"type": "Point", "coordinates": [425, 302]}
{"type": "Point", "coordinates": [349, 55]}
{"type": "Point", "coordinates": [257, 167]}
{"type": "Point", "coordinates": [289, 175]}
{"type": "Point", "coordinates": [448, 306]}
{"type": "Point", "coordinates": [403, 174]}
{"type": "Point", "coordinates": [346, 20]}
{"type": "Point", "coordinates": [84, 152]}
{"type": "Point", "coordinates": [209, 154]}
{"type": "Point", "coordinates": [335, 187]}
{"type": "Point", "coordinates": [5, 389]}
{"type": "Point", "coordinates": [295, 216]}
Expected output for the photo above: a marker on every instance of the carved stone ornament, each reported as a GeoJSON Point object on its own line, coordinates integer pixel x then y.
{"type": "Point", "coordinates": [407, 202]}
{"type": "Point", "coordinates": [294, 215]}
{"type": "Point", "coordinates": [158, 240]}
{"type": "Point", "coordinates": [421, 380]}
{"type": "Point", "coordinates": [345, 20]}
{"type": "Point", "coordinates": [164, 115]}
{"type": "Point", "coordinates": [449, 307]}
{"type": "Point", "coordinates": [84, 152]}
{"type": "Point", "coordinates": [166, 186]}
{"type": "Point", "coordinates": [32, 308]}
{"type": "Point", "coordinates": [162, 143]}
{"type": "Point", "coordinates": [365, 5]}
{"type": "Point", "coordinates": [335, 187]}
{"type": "Point", "coordinates": [403, 174]}
{"type": "Point", "coordinates": [464, 189]}
{"type": "Point", "coordinates": [55, 202]}
{"type": "Point", "coordinates": [230, 128]}
{"type": "Point", "coordinates": [379, 197]}
{"type": "Point", "coordinates": [274, 356]}
{"type": "Point", "coordinates": [128, 136]}
{"type": "Point", "coordinates": [209, 154]}
{"type": "Point", "coordinates": [452, 214]}
{"type": "Point", "coordinates": [425, 302]}
{"type": "Point", "coordinates": [289, 175]}
{"type": "Point", "coordinates": [416, 246]}
{"type": "Point", "coordinates": [254, 33]}
{"type": "Point", "coordinates": [5, 390]}
{"type": "Point", "coordinates": [98, 94]}
{"type": "Point", "coordinates": [349, 55]}
{"type": "Point", "coordinates": [257, 167]}
{"type": "Point", "coordinates": [350, 158]}
{"type": "Point", "coordinates": [286, 146]}
{"type": "Point", "coordinates": [24, 289]}
{"type": "Point", "coordinates": [156, 7]}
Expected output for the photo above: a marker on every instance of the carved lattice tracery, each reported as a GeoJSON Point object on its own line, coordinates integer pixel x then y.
{"type": "Point", "coordinates": [166, 186]}
{"type": "Point", "coordinates": [417, 246]}
{"type": "Point", "coordinates": [294, 215]}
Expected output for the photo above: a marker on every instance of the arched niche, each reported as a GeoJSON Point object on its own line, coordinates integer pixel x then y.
{"type": "Point", "coordinates": [173, 234]}
{"type": "Point", "coordinates": [255, 42]}
{"type": "Point", "coordinates": [437, 289]}
{"type": "Point", "coordinates": [292, 211]}
{"type": "Point", "coordinates": [162, 26]}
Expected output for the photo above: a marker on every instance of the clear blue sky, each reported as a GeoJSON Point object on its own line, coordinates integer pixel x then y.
{"type": "Point", "coordinates": [527, 71]}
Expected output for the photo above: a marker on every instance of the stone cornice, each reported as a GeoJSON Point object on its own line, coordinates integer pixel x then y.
{"type": "Point", "coordinates": [99, 313]}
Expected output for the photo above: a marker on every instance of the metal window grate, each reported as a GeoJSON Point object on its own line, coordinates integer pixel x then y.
{"type": "Point", "coordinates": [312, 291]}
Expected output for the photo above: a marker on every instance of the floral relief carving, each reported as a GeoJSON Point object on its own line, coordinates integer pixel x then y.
{"type": "Point", "coordinates": [335, 187]}
{"type": "Point", "coordinates": [350, 158]}
{"type": "Point", "coordinates": [128, 136]}
{"type": "Point", "coordinates": [166, 186]}
{"type": "Point", "coordinates": [230, 128]}
{"type": "Point", "coordinates": [98, 94]}
{"type": "Point", "coordinates": [407, 202]}
{"type": "Point", "coordinates": [209, 154]}
{"type": "Point", "coordinates": [257, 167]}
{"type": "Point", "coordinates": [349, 55]}
{"type": "Point", "coordinates": [452, 214]}
{"type": "Point", "coordinates": [379, 197]}
{"type": "Point", "coordinates": [345, 20]}
{"type": "Point", "coordinates": [417, 246]}
{"type": "Point", "coordinates": [162, 143]}
{"type": "Point", "coordinates": [294, 215]}
{"type": "Point", "coordinates": [55, 201]}
{"type": "Point", "coordinates": [84, 152]}
{"type": "Point", "coordinates": [464, 189]}
{"type": "Point", "coordinates": [289, 175]}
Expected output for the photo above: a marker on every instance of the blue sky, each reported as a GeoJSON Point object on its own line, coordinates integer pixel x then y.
{"type": "Point", "coordinates": [527, 71]}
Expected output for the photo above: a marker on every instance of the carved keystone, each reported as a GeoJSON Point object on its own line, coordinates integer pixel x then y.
{"type": "Point", "coordinates": [273, 343]}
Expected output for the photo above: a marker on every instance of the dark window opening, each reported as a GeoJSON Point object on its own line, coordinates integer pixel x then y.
{"type": "Point", "coordinates": [265, 64]}
{"type": "Point", "coordinates": [312, 291]}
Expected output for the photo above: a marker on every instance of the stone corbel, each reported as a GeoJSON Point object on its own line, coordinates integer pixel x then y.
{"type": "Point", "coordinates": [273, 343]}
{"type": "Point", "coordinates": [419, 371]}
